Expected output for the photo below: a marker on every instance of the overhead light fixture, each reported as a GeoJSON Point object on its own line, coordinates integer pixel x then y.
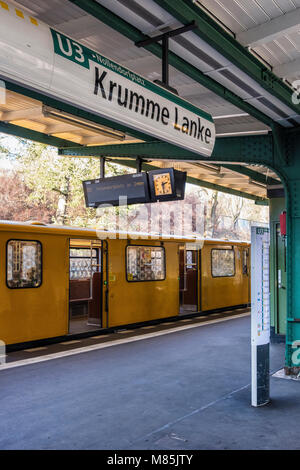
{"type": "Point", "coordinates": [256, 183]}
{"type": "Point", "coordinates": [227, 116]}
{"type": "Point", "coordinates": [233, 134]}
{"type": "Point", "coordinates": [81, 122]}
{"type": "Point", "coordinates": [207, 166]}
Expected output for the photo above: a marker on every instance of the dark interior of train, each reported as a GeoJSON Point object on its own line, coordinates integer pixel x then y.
{"type": "Point", "coordinates": [85, 287]}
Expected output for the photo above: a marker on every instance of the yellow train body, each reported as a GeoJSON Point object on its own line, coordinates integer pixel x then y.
{"type": "Point", "coordinates": [30, 313]}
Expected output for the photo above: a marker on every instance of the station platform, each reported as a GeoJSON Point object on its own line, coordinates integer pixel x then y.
{"type": "Point", "coordinates": [175, 386]}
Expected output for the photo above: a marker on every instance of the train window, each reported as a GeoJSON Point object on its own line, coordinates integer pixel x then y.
{"type": "Point", "coordinates": [245, 261]}
{"type": "Point", "coordinates": [24, 264]}
{"type": "Point", "coordinates": [189, 259]}
{"type": "Point", "coordinates": [145, 263]}
{"type": "Point", "coordinates": [222, 263]}
{"type": "Point", "coordinates": [83, 262]}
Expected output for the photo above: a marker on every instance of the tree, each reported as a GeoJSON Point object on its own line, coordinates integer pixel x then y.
{"type": "Point", "coordinates": [14, 200]}
{"type": "Point", "coordinates": [57, 180]}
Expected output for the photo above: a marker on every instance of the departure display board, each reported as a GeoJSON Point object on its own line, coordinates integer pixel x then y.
{"type": "Point", "coordinates": [163, 184]}
{"type": "Point", "coordinates": [109, 190]}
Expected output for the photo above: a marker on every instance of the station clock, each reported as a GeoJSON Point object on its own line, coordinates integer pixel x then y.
{"type": "Point", "coordinates": [166, 184]}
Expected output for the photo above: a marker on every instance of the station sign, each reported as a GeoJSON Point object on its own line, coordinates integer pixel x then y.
{"type": "Point", "coordinates": [130, 99]}
{"type": "Point", "coordinates": [158, 185]}
{"type": "Point", "coordinates": [43, 59]}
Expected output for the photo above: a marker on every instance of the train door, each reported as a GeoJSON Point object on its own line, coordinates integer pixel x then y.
{"type": "Point", "coordinates": [188, 279]}
{"type": "Point", "coordinates": [246, 276]}
{"type": "Point", "coordinates": [85, 285]}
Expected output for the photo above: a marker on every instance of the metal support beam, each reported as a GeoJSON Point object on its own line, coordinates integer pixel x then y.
{"type": "Point", "coordinates": [254, 175]}
{"type": "Point", "coordinates": [166, 35]}
{"type": "Point", "coordinates": [139, 165]}
{"type": "Point", "coordinates": [271, 30]}
{"type": "Point", "coordinates": [213, 34]}
{"type": "Point", "coordinates": [164, 38]}
{"type": "Point", "coordinates": [102, 167]}
{"type": "Point", "coordinates": [254, 149]}
{"type": "Point", "coordinates": [123, 27]}
{"type": "Point", "coordinates": [291, 179]}
{"type": "Point", "coordinates": [280, 148]}
{"type": "Point", "coordinates": [165, 61]}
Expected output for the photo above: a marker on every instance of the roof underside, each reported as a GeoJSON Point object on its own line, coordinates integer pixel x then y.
{"type": "Point", "coordinates": [254, 24]}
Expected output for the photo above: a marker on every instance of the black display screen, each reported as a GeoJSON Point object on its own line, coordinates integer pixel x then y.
{"type": "Point", "coordinates": [109, 190]}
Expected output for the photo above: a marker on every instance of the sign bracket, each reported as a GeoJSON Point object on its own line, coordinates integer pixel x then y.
{"type": "Point", "coordinates": [139, 164]}
{"type": "Point", "coordinates": [102, 167]}
{"type": "Point", "coordinates": [164, 38]}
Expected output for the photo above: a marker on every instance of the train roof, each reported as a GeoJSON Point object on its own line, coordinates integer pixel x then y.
{"type": "Point", "coordinates": [40, 227]}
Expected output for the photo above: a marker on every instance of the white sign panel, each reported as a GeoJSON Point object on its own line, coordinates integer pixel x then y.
{"type": "Point", "coordinates": [260, 286]}
{"type": "Point", "coordinates": [35, 55]}
{"type": "Point", "coordinates": [128, 98]}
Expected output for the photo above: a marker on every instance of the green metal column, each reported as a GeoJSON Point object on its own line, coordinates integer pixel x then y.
{"type": "Point", "coordinates": [290, 172]}
{"type": "Point", "coordinates": [277, 262]}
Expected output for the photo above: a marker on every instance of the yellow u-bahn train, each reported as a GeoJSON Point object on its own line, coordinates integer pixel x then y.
{"type": "Point", "coordinates": [57, 281]}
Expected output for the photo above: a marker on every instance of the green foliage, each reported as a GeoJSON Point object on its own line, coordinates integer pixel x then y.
{"type": "Point", "coordinates": [58, 180]}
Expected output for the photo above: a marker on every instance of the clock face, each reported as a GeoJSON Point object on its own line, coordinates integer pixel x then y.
{"type": "Point", "coordinates": [162, 184]}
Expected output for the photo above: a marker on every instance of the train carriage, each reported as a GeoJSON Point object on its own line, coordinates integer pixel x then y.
{"type": "Point", "coordinates": [57, 281]}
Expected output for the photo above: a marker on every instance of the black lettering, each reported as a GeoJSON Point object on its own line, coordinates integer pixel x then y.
{"type": "Point", "coordinates": [185, 125]}
{"type": "Point", "coordinates": [124, 102]}
{"type": "Point", "coordinates": [154, 107]}
{"type": "Point", "coordinates": [200, 130]}
{"type": "Point", "coordinates": [176, 126]}
{"type": "Point", "coordinates": [138, 99]}
{"type": "Point", "coordinates": [112, 85]}
{"type": "Point", "coordinates": [99, 82]}
{"type": "Point", "coordinates": [165, 115]}
{"type": "Point", "coordinates": [207, 135]}
{"type": "Point", "coordinates": [193, 127]}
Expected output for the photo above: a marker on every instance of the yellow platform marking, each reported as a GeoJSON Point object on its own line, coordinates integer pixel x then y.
{"type": "Point", "coordinates": [35, 349]}
{"type": "Point", "coordinates": [100, 336]}
{"type": "Point", "coordinates": [65, 343]}
{"type": "Point", "coordinates": [117, 342]}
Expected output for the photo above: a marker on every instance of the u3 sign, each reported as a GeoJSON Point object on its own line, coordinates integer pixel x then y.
{"type": "Point", "coordinates": [70, 49]}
